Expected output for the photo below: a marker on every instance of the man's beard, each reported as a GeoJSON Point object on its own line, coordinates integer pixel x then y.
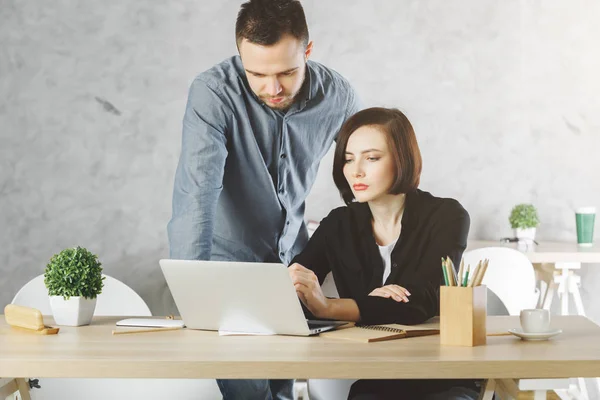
{"type": "Point", "coordinates": [286, 103]}
{"type": "Point", "coordinates": [288, 100]}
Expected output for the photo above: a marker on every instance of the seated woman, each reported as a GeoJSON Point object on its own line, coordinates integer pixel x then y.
{"type": "Point", "coordinates": [384, 248]}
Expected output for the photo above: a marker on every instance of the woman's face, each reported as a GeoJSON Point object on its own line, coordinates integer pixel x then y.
{"type": "Point", "coordinates": [369, 167]}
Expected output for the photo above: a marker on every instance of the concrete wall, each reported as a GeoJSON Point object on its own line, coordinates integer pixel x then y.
{"type": "Point", "coordinates": [503, 97]}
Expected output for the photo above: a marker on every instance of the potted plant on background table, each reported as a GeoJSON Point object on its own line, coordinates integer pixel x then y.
{"type": "Point", "coordinates": [73, 278]}
{"type": "Point", "coordinates": [524, 220]}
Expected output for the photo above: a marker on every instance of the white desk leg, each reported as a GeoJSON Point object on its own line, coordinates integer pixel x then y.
{"type": "Point", "coordinates": [583, 388]}
{"type": "Point", "coordinates": [544, 287]}
{"type": "Point", "coordinates": [563, 290]}
{"type": "Point", "coordinates": [540, 395]}
{"type": "Point", "coordinates": [547, 304]}
{"type": "Point", "coordinates": [544, 274]}
{"type": "Point", "coordinates": [574, 282]}
{"type": "Point", "coordinates": [568, 284]}
{"type": "Point", "coordinates": [565, 394]}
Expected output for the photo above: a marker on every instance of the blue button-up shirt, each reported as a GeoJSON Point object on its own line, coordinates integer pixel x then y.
{"type": "Point", "coordinates": [245, 169]}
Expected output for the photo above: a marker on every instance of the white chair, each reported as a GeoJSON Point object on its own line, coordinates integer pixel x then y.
{"type": "Point", "coordinates": [510, 275]}
{"type": "Point", "coordinates": [116, 299]}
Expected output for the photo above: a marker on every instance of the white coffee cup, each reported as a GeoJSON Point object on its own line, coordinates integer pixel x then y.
{"type": "Point", "coordinates": [536, 320]}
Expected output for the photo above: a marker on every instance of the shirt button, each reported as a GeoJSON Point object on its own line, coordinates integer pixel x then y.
{"type": "Point", "coordinates": [283, 156]}
{"type": "Point", "coordinates": [287, 222]}
{"type": "Point", "coordinates": [394, 265]}
{"type": "Point", "coordinates": [282, 254]}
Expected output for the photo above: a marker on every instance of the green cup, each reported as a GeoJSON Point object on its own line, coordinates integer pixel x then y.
{"type": "Point", "coordinates": [585, 219]}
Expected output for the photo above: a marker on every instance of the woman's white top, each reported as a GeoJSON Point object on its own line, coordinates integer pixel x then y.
{"type": "Point", "coordinates": [386, 256]}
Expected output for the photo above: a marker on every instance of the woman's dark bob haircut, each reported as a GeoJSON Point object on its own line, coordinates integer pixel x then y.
{"type": "Point", "coordinates": [402, 144]}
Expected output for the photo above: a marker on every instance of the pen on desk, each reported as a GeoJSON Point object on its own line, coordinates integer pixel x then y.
{"type": "Point", "coordinates": [450, 264]}
{"type": "Point", "coordinates": [474, 273]}
{"type": "Point", "coordinates": [479, 274]}
{"type": "Point", "coordinates": [484, 266]}
{"type": "Point", "coordinates": [449, 272]}
{"type": "Point", "coordinates": [479, 271]}
{"type": "Point", "coordinates": [124, 332]}
{"type": "Point", "coordinates": [444, 272]}
{"type": "Point", "coordinates": [465, 281]}
{"type": "Point", "coordinates": [498, 334]}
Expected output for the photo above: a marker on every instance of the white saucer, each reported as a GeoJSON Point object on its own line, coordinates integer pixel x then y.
{"type": "Point", "coordinates": [535, 336]}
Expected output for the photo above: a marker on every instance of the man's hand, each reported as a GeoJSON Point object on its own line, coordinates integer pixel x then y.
{"type": "Point", "coordinates": [395, 292]}
{"type": "Point", "coordinates": [308, 290]}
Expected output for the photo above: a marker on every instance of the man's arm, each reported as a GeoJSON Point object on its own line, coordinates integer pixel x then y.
{"type": "Point", "coordinates": [314, 255]}
{"type": "Point", "coordinates": [199, 176]}
{"type": "Point", "coordinates": [353, 105]}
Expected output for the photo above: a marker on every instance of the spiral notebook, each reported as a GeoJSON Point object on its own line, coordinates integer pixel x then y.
{"type": "Point", "coordinates": [379, 333]}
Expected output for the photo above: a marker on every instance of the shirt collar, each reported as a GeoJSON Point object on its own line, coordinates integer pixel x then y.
{"type": "Point", "coordinates": [310, 81]}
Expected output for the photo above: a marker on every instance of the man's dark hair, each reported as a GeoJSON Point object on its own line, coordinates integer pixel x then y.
{"type": "Point", "coordinates": [402, 144]}
{"type": "Point", "coordinates": [264, 22]}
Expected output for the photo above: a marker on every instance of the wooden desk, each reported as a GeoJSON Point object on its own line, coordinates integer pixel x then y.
{"type": "Point", "coordinates": [92, 351]}
{"type": "Point", "coordinates": [556, 264]}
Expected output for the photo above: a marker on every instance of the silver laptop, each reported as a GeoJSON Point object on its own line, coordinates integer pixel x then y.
{"type": "Point", "coordinates": [239, 297]}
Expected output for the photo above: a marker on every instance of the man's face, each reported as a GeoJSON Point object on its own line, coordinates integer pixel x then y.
{"type": "Point", "coordinates": [275, 73]}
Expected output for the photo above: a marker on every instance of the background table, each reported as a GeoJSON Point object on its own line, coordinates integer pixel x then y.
{"type": "Point", "coordinates": [548, 257]}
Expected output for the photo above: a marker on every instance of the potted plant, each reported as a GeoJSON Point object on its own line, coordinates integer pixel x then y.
{"type": "Point", "coordinates": [73, 278]}
{"type": "Point", "coordinates": [524, 220]}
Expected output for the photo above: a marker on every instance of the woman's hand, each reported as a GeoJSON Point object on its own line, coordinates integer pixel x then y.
{"type": "Point", "coordinates": [308, 290]}
{"type": "Point", "coordinates": [395, 292]}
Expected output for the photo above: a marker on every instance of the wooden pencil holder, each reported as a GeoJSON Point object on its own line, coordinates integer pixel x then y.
{"type": "Point", "coordinates": [463, 313]}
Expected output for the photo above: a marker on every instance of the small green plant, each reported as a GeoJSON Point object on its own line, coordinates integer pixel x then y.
{"type": "Point", "coordinates": [523, 216]}
{"type": "Point", "coordinates": [74, 272]}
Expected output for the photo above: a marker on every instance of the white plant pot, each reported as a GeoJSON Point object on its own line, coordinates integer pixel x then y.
{"type": "Point", "coordinates": [525, 233]}
{"type": "Point", "coordinates": [76, 311]}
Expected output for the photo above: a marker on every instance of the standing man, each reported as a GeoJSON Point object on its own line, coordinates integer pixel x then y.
{"type": "Point", "coordinates": [255, 128]}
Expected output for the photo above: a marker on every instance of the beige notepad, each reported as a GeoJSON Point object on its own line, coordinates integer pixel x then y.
{"type": "Point", "coordinates": [378, 333]}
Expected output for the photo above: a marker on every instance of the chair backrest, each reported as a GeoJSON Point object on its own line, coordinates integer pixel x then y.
{"type": "Point", "coordinates": [510, 275]}
{"type": "Point", "coordinates": [116, 298]}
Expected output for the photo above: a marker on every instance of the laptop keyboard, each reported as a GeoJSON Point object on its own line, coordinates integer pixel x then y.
{"type": "Point", "coordinates": [313, 324]}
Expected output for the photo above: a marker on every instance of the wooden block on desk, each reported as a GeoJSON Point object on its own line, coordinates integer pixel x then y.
{"type": "Point", "coordinates": [24, 317]}
{"type": "Point", "coordinates": [28, 319]}
{"type": "Point", "coordinates": [463, 313]}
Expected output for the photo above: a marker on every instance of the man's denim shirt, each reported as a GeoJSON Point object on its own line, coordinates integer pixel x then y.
{"type": "Point", "coordinates": [245, 169]}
